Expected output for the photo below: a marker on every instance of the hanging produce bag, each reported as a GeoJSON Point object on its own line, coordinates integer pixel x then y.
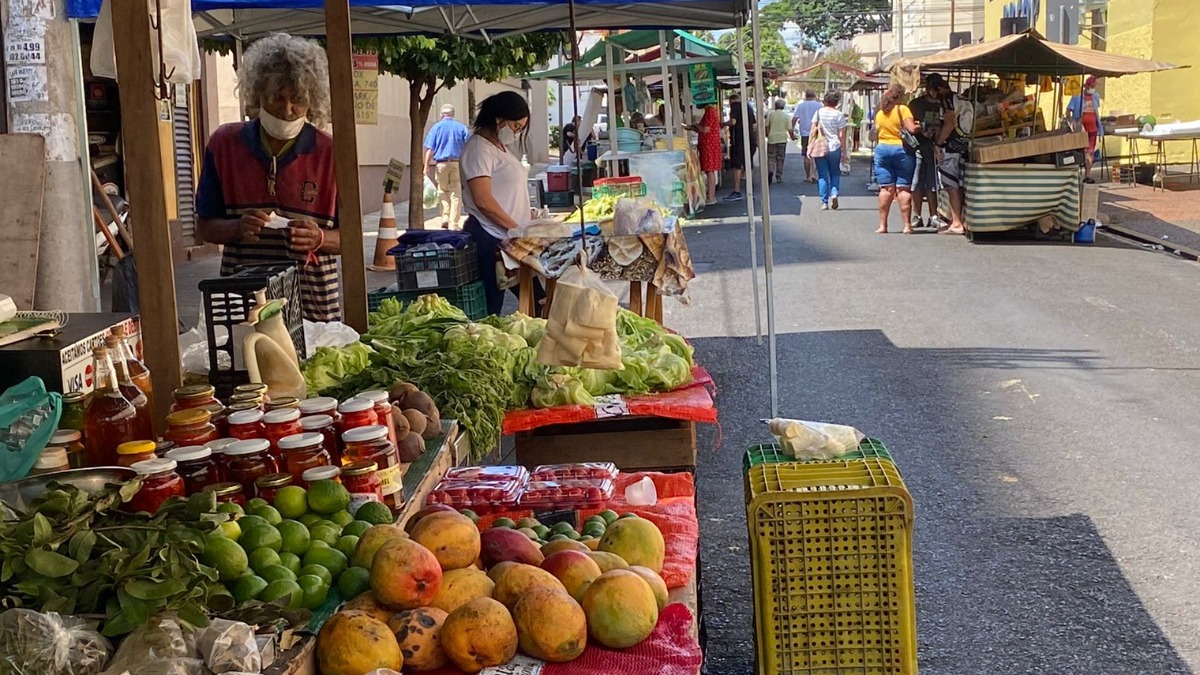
{"type": "Point", "coordinates": [582, 327]}
{"type": "Point", "coordinates": [429, 197]}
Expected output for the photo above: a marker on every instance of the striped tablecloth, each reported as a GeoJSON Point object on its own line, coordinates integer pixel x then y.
{"type": "Point", "coordinates": [1002, 197]}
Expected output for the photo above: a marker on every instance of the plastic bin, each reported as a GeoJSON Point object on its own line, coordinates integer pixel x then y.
{"type": "Point", "coordinates": [227, 303]}
{"type": "Point", "coordinates": [770, 453]}
{"type": "Point", "coordinates": [558, 179]}
{"type": "Point", "coordinates": [435, 269]}
{"type": "Point", "coordinates": [831, 563]}
{"type": "Point", "coordinates": [469, 298]}
{"type": "Point", "coordinates": [560, 198]}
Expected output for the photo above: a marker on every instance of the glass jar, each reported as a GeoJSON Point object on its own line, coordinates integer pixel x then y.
{"type": "Point", "coordinates": [197, 466]}
{"type": "Point", "coordinates": [371, 444]}
{"type": "Point", "coordinates": [159, 483]}
{"type": "Point", "coordinates": [218, 447]}
{"type": "Point", "coordinates": [383, 411]}
{"type": "Point", "coordinates": [279, 424]}
{"type": "Point", "coordinates": [362, 481]}
{"type": "Point", "coordinates": [302, 452]}
{"type": "Point", "coordinates": [228, 492]}
{"type": "Point", "coordinates": [248, 461]}
{"type": "Point", "coordinates": [192, 426]}
{"type": "Point", "coordinates": [249, 399]}
{"type": "Point", "coordinates": [357, 412]}
{"type": "Point", "coordinates": [51, 460]}
{"type": "Point", "coordinates": [133, 452]}
{"type": "Point", "coordinates": [259, 389]}
{"type": "Point", "coordinates": [283, 403]}
{"type": "Point", "coordinates": [72, 411]}
{"type": "Point", "coordinates": [320, 405]}
{"type": "Point", "coordinates": [71, 440]}
{"type": "Point", "coordinates": [323, 424]}
{"type": "Point", "coordinates": [247, 424]}
{"type": "Point", "coordinates": [195, 396]}
{"type": "Point", "coordinates": [267, 486]}
{"type": "Point", "coordinates": [321, 473]}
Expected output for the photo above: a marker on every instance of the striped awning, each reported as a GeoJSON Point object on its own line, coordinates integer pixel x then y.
{"type": "Point", "coordinates": [1002, 197]}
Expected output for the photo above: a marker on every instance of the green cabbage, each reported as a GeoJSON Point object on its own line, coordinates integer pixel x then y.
{"type": "Point", "coordinates": [668, 371]}
{"type": "Point", "coordinates": [330, 365]}
{"type": "Point", "coordinates": [560, 389]}
{"type": "Point", "coordinates": [600, 382]}
{"type": "Point", "coordinates": [530, 329]}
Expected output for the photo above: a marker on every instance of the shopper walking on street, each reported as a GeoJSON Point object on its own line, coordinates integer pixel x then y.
{"type": "Point", "coordinates": [894, 166]}
{"type": "Point", "coordinates": [1084, 110]}
{"type": "Point", "coordinates": [443, 148]}
{"type": "Point", "coordinates": [708, 142]}
{"type": "Point", "coordinates": [927, 114]}
{"type": "Point", "coordinates": [779, 125]}
{"type": "Point", "coordinates": [958, 119]}
{"type": "Point", "coordinates": [830, 122]}
{"type": "Point", "coordinates": [802, 120]}
{"type": "Point", "coordinates": [737, 144]}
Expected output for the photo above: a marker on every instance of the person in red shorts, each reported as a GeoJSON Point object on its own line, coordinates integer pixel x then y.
{"type": "Point", "coordinates": [712, 160]}
{"type": "Point", "coordinates": [1085, 111]}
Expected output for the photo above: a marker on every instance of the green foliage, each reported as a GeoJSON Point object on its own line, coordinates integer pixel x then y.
{"type": "Point", "coordinates": [450, 59]}
{"type": "Point", "coordinates": [825, 21]}
{"type": "Point", "coordinates": [775, 51]}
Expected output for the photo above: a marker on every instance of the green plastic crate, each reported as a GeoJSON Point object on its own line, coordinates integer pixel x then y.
{"type": "Point", "coordinates": [469, 298]}
{"type": "Point", "coordinates": [767, 453]}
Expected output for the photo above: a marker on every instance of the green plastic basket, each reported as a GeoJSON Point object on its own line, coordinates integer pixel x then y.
{"type": "Point", "coordinates": [469, 298]}
{"type": "Point", "coordinates": [768, 453]}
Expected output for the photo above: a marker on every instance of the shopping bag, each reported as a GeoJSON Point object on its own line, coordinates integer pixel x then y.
{"type": "Point", "coordinates": [582, 327]}
{"type": "Point", "coordinates": [817, 145]}
{"type": "Point", "coordinates": [28, 417]}
{"type": "Point", "coordinates": [429, 197]}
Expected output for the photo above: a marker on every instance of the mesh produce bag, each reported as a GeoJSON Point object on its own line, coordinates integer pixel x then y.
{"type": "Point", "coordinates": [28, 417]}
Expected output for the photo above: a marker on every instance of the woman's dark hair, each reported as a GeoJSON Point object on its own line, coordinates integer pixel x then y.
{"type": "Point", "coordinates": [833, 98]}
{"type": "Point", "coordinates": [507, 105]}
{"type": "Point", "coordinates": [891, 97]}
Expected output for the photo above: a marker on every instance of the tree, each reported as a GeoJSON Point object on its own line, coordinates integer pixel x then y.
{"type": "Point", "coordinates": [431, 64]}
{"type": "Point", "coordinates": [824, 21]}
{"type": "Point", "coordinates": [775, 52]}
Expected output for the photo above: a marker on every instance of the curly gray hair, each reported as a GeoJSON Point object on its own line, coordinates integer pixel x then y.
{"type": "Point", "coordinates": [278, 61]}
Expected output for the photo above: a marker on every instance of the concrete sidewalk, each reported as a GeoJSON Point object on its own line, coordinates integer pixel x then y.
{"type": "Point", "coordinates": [1170, 217]}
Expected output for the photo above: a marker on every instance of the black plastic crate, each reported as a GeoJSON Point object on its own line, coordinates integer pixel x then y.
{"type": "Point", "coordinates": [227, 303]}
{"type": "Point", "coordinates": [436, 269]}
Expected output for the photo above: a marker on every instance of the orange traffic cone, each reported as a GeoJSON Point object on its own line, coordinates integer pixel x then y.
{"type": "Point", "coordinates": [387, 238]}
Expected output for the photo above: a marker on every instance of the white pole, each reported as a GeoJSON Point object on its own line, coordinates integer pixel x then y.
{"type": "Point", "coordinates": [613, 92]}
{"type": "Point", "coordinates": [745, 131]}
{"type": "Point", "coordinates": [666, 82]}
{"type": "Point", "coordinates": [768, 250]}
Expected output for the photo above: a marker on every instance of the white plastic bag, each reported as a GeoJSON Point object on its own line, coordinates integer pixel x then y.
{"type": "Point", "coordinates": [50, 644]}
{"type": "Point", "coordinates": [229, 647]}
{"type": "Point", "coordinates": [582, 327]}
{"type": "Point", "coordinates": [814, 440]}
{"type": "Point", "coordinates": [430, 196]}
{"type": "Point", "coordinates": [181, 50]}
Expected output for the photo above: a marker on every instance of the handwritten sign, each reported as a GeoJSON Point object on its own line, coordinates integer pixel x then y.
{"type": "Point", "coordinates": [704, 84]}
{"type": "Point", "coordinates": [25, 50]}
{"type": "Point", "coordinates": [27, 83]}
{"type": "Point", "coordinates": [611, 405]}
{"type": "Point", "coordinates": [366, 88]}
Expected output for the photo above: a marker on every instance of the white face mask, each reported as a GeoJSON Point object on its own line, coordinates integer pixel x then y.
{"type": "Point", "coordinates": [278, 128]}
{"type": "Point", "coordinates": [505, 134]}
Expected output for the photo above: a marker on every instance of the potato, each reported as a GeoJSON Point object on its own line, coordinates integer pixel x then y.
{"type": "Point", "coordinates": [433, 427]}
{"type": "Point", "coordinates": [400, 422]}
{"type": "Point", "coordinates": [400, 390]}
{"type": "Point", "coordinates": [411, 446]}
{"type": "Point", "coordinates": [421, 401]}
{"type": "Point", "coordinates": [416, 421]}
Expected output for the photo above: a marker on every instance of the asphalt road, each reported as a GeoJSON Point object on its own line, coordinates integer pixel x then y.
{"type": "Point", "coordinates": [1040, 399]}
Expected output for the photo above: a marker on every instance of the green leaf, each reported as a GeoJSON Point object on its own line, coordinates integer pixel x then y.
{"type": "Point", "coordinates": [144, 589]}
{"type": "Point", "coordinates": [81, 545]}
{"type": "Point", "coordinates": [193, 614]}
{"type": "Point", "coordinates": [42, 531]}
{"type": "Point", "coordinates": [120, 624]}
{"type": "Point", "coordinates": [50, 564]}
{"type": "Point", "coordinates": [137, 610]}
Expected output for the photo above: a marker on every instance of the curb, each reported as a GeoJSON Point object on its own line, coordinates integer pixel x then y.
{"type": "Point", "coordinates": [1133, 235]}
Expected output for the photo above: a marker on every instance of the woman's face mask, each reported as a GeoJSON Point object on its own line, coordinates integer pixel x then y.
{"type": "Point", "coordinates": [505, 132]}
{"type": "Point", "coordinates": [284, 130]}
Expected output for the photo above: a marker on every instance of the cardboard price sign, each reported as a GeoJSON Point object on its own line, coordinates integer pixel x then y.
{"type": "Point", "coordinates": [366, 88]}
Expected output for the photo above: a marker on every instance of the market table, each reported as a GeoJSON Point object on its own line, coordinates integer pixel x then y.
{"type": "Point", "coordinates": [1002, 197]}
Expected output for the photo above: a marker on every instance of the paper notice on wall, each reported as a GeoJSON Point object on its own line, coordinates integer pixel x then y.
{"type": "Point", "coordinates": [58, 129]}
{"type": "Point", "coordinates": [366, 88]}
{"type": "Point", "coordinates": [27, 83]}
{"type": "Point", "coordinates": [25, 48]}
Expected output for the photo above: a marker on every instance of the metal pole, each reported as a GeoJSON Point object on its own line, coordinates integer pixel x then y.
{"type": "Point", "coordinates": [951, 17]}
{"type": "Point", "coordinates": [666, 80]}
{"type": "Point", "coordinates": [898, 22]}
{"type": "Point", "coordinates": [826, 81]}
{"type": "Point", "coordinates": [745, 130]}
{"type": "Point", "coordinates": [768, 249]}
{"type": "Point", "coordinates": [613, 92]}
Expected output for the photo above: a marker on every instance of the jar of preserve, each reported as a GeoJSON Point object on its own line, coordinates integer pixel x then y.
{"type": "Point", "coordinates": [357, 412]}
{"type": "Point", "coordinates": [218, 446]}
{"type": "Point", "coordinates": [279, 424]}
{"type": "Point", "coordinates": [195, 396]}
{"type": "Point", "coordinates": [71, 440]}
{"type": "Point", "coordinates": [283, 402]}
{"type": "Point", "coordinates": [197, 466]}
{"type": "Point", "coordinates": [321, 473]}
{"type": "Point", "coordinates": [249, 399]}
{"type": "Point", "coordinates": [159, 483]}
{"type": "Point", "coordinates": [247, 424]}
{"type": "Point", "coordinates": [51, 460]}
{"type": "Point", "coordinates": [267, 486]}
{"type": "Point", "coordinates": [302, 452]}
{"type": "Point", "coordinates": [249, 460]}
{"type": "Point", "coordinates": [320, 405]}
{"type": "Point", "coordinates": [192, 426]}
{"type": "Point", "coordinates": [228, 492]}
{"type": "Point", "coordinates": [133, 452]}
{"type": "Point", "coordinates": [371, 444]}
{"type": "Point", "coordinates": [72, 411]}
{"type": "Point", "coordinates": [323, 424]}
{"type": "Point", "coordinates": [383, 411]}
{"type": "Point", "coordinates": [362, 481]}
{"type": "Point", "coordinates": [259, 389]}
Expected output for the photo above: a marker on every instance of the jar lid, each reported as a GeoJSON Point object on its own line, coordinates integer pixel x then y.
{"type": "Point", "coordinates": [282, 416]}
{"type": "Point", "coordinates": [188, 417]}
{"type": "Point", "coordinates": [65, 436]}
{"type": "Point", "coordinates": [320, 473]}
{"type": "Point", "coordinates": [218, 446]}
{"type": "Point", "coordinates": [194, 391]}
{"type": "Point", "coordinates": [241, 407]}
{"type": "Point", "coordinates": [355, 405]}
{"type": "Point", "coordinates": [374, 396]}
{"type": "Point", "coordinates": [51, 458]}
{"type": "Point", "coordinates": [296, 441]}
{"type": "Point", "coordinates": [246, 417]}
{"type": "Point", "coordinates": [274, 480]}
{"type": "Point", "coordinates": [283, 402]}
{"type": "Point", "coordinates": [190, 453]}
{"type": "Point", "coordinates": [320, 404]}
{"type": "Point", "coordinates": [313, 422]}
{"type": "Point", "coordinates": [365, 434]}
{"type": "Point", "coordinates": [251, 388]}
{"type": "Point", "coordinates": [247, 397]}
{"type": "Point", "coordinates": [147, 467]}
{"type": "Point", "coordinates": [224, 489]}
{"type": "Point", "coordinates": [360, 468]}
{"type": "Point", "coordinates": [72, 397]}
{"type": "Point", "coordinates": [136, 447]}
{"type": "Point", "coordinates": [247, 447]}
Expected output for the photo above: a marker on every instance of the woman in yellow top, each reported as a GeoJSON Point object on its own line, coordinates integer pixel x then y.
{"type": "Point", "coordinates": [894, 166]}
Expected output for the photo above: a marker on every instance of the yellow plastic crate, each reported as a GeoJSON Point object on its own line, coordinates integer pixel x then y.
{"type": "Point", "coordinates": [831, 559]}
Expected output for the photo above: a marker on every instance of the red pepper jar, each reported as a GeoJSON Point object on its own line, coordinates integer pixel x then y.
{"type": "Point", "coordinates": [248, 399]}
{"type": "Point", "coordinates": [321, 473]}
{"type": "Point", "coordinates": [133, 452]}
{"type": "Point", "coordinates": [248, 461]}
{"type": "Point", "coordinates": [254, 388]}
{"type": "Point", "coordinates": [195, 396]}
{"type": "Point", "coordinates": [247, 424]}
{"type": "Point", "coordinates": [323, 424]}
{"type": "Point", "coordinates": [302, 452]}
{"type": "Point", "coordinates": [228, 492]}
{"type": "Point", "coordinates": [280, 424]}
{"type": "Point", "coordinates": [191, 427]}
{"type": "Point", "coordinates": [357, 412]}
{"type": "Point", "coordinates": [371, 444]}
{"type": "Point", "coordinates": [218, 446]}
{"type": "Point", "coordinates": [362, 481]}
{"type": "Point", "coordinates": [267, 486]}
{"type": "Point", "coordinates": [283, 402]}
{"type": "Point", "coordinates": [321, 405]}
{"type": "Point", "coordinates": [197, 466]}
{"type": "Point", "coordinates": [383, 411]}
{"type": "Point", "coordinates": [159, 483]}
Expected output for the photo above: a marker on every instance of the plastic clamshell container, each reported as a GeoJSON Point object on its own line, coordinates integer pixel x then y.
{"type": "Point", "coordinates": [770, 453]}
{"type": "Point", "coordinates": [576, 471]}
{"type": "Point", "coordinates": [567, 494]}
{"type": "Point", "coordinates": [517, 474]}
{"type": "Point", "coordinates": [480, 496]}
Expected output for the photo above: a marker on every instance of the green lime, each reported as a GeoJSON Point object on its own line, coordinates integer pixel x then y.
{"type": "Point", "coordinates": [562, 528]}
{"type": "Point", "coordinates": [470, 514]}
{"type": "Point", "coordinates": [327, 496]}
{"type": "Point", "coordinates": [230, 507]}
{"type": "Point", "coordinates": [329, 558]}
{"type": "Point", "coordinates": [226, 557]}
{"type": "Point", "coordinates": [283, 589]}
{"type": "Point", "coordinates": [342, 518]}
{"type": "Point", "coordinates": [542, 531]}
{"type": "Point", "coordinates": [356, 528]}
{"type": "Point", "coordinates": [528, 532]}
{"type": "Point", "coordinates": [255, 536]}
{"type": "Point", "coordinates": [291, 561]}
{"type": "Point", "coordinates": [326, 532]}
{"type": "Point", "coordinates": [277, 572]}
{"type": "Point", "coordinates": [375, 513]}
{"type": "Point", "coordinates": [315, 591]}
{"type": "Point", "coordinates": [609, 516]}
{"type": "Point", "coordinates": [594, 530]}
{"type": "Point", "coordinates": [251, 521]}
{"type": "Point", "coordinates": [267, 513]}
{"type": "Point", "coordinates": [346, 544]}
{"type": "Point", "coordinates": [291, 501]}
{"type": "Point", "coordinates": [628, 515]}
{"type": "Point", "coordinates": [230, 530]}
{"type": "Point", "coordinates": [573, 535]}
{"type": "Point", "coordinates": [596, 519]}
{"type": "Point", "coordinates": [262, 558]}
{"type": "Point", "coordinates": [295, 536]}
{"type": "Point", "coordinates": [504, 522]}
{"type": "Point", "coordinates": [255, 502]}
{"type": "Point", "coordinates": [309, 519]}
{"type": "Point", "coordinates": [316, 570]}
{"type": "Point", "coordinates": [247, 587]}
{"type": "Point", "coordinates": [556, 537]}
{"type": "Point", "coordinates": [527, 522]}
{"type": "Point", "coordinates": [354, 582]}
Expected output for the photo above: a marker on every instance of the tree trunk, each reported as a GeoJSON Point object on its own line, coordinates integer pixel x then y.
{"type": "Point", "coordinates": [420, 101]}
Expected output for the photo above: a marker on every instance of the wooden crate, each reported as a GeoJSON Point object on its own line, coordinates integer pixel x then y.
{"type": "Point", "coordinates": [632, 443]}
{"type": "Point", "coordinates": [1038, 144]}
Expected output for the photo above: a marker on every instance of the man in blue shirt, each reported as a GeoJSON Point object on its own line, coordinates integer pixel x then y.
{"type": "Point", "coordinates": [443, 146]}
{"type": "Point", "coordinates": [803, 118]}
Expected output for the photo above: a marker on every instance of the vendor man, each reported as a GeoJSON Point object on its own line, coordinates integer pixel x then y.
{"type": "Point", "coordinates": [267, 191]}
